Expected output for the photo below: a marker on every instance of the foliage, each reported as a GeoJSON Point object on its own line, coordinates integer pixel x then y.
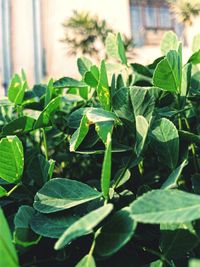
{"type": "Point", "coordinates": [104, 170]}
{"type": "Point", "coordinates": [86, 34]}
{"type": "Point", "coordinates": [185, 10]}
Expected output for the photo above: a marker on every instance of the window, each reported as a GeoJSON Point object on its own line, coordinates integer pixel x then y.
{"type": "Point", "coordinates": [150, 19]}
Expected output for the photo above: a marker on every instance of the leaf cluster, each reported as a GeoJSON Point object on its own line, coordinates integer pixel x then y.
{"type": "Point", "coordinates": [104, 170]}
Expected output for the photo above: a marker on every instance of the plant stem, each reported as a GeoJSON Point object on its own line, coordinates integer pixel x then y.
{"type": "Point", "coordinates": [92, 247]}
{"type": "Point", "coordinates": [13, 189]}
{"type": "Point", "coordinates": [45, 144]}
{"type": "Point", "coordinates": [192, 146]}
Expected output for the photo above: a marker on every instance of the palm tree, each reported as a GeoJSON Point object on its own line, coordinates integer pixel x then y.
{"type": "Point", "coordinates": [86, 34]}
{"type": "Point", "coordinates": [185, 10]}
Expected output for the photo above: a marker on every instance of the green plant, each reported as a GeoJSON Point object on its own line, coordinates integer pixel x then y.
{"type": "Point", "coordinates": [86, 34]}
{"type": "Point", "coordinates": [125, 140]}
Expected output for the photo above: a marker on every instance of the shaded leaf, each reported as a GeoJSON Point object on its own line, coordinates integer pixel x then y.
{"type": "Point", "coordinates": [83, 226]}
{"type": "Point", "coordinates": [60, 194]}
{"type": "Point", "coordinates": [51, 226]}
{"type": "Point", "coordinates": [166, 206]}
{"type": "Point", "coordinates": [115, 233]}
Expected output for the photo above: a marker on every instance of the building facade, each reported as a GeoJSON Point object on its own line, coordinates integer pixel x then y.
{"type": "Point", "coordinates": [31, 30]}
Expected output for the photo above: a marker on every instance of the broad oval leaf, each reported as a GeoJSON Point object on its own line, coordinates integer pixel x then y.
{"type": "Point", "coordinates": [51, 226]}
{"type": "Point", "coordinates": [60, 194]}
{"type": "Point", "coordinates": [12, 159]}
{"type": "Point", "coordinates": [168, 72]}
{"type": "Point", "coordinates": [165, 139]}
{"type": "Point", "coordinates": [169, 42]}
{"type": "Point", "coordinates": [166, 206]}
{"type": "Point", "coordinates": [16, 90]}
{"type": "Point", "coordinates": [115, 233]}
{"type": "Point", "coordinates": [23, 235]}
{"type": "Point", "coordinates": [20, 125]}
{"type": "Point", "coordinates": [84, 65]}
{"type": "Point", "coordinates": [67, 82]}
{"type": "Point", "coordinates": [83, 226]}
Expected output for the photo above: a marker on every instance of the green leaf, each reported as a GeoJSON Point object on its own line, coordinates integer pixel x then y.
{"type": "Point", "coordinates": [96, 115]}
{"type": "Point", "coordinates": [186, 76]}
{"type": "Point", "coordinates": [79, 135]}
{"type": "Point", "coordinates": [84, 65]}
{"type": "Point", "coordinates": [194, 263]}
{"type": "Point", "coordinates": [169, 42]}
{"type": "Point", "coordinates": [121, 49]}
{"type": "Point", "coordinates": [143, 101]}
{"type": "Point", "coordinates": [20, 125]}
{"type": "Point", "coordinates": [60, 194]}
{"type": "Point", "coordinates": [142, 128]}
{"type": "Point", "coordinates": [83, 226]}
{"type": "Point", "coordinates": [87, 261]}
{"type": "Point", "coordinates": [103, 91]}
{"type": "Point", "coordinates": [115, 233]}
{"type": "Point", "coordinates": [103, 128]}
{"type": "Point", "coordinates": [121, 177]}
{"type": "Point", "coordinates": [12, 159]}
{"type": "Point", "coordinates": [91, 77]}
{"type": "Point", "coordinates": [168, 72]}
{"type": "Point", "coordinates": [8, 255]}
{"type": "Point", "coordinates": [142, 70]}
{"type": "Point", "coordinates": [53, 225]}
{"type": "Point", "coordinates": [195, 58]}
{"type": "Point", "coordinates": [122, 104]}
{"type": "Point", "coordinates": [106, 168]}
{"type": "Point", "coordinates": [23, 235]}
{"type": "Point", "coordinates": [67, 82]}
{"type": "Point", "coordinates": [38, 170]}
{"type": "Point", "coordinates": [3, 192]}
{"type": "Point", "coordinates": [111, 46]}
{"type": "Point", "coordinates": [165, 139]}
{"type": "Point", "coordinates": [16, 90]}
{"type": "Point", "coordinates": [177, 240]}
{"type": "Point", "coordinates": [45, 116]}
{"type": "Point", "coordinates": [166, 206]}
{"type": "Point", "coordinates": [49, 92]}
{"type": "Point", "coordinates": [172, 180]}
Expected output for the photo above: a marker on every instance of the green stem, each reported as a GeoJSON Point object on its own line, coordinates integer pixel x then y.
{"type": "Point", "coordinates": [45, 144]}
{"type": "Point", "coordinates": [179, 122]}
{"type": "Point", "coordinates": [192, 146]}
{"type": "Point", "coordinates": [13, 189]}
{"type": "Point", "coordinates": [92, 248]}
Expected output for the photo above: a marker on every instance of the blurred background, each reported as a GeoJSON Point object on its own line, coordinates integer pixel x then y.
{"type": "Point", "coordinates": [44, 37]}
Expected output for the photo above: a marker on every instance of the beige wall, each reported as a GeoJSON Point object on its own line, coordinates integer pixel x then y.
{"type": "Point", "coordinates": [59, 63]}
{"type": "Point", "coordinates": [22, 48]}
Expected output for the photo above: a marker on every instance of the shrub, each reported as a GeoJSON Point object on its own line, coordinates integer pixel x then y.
{"type": "Point", "coordinates": [125, 140]}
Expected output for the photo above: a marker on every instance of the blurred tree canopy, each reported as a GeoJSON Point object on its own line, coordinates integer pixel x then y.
{"type": "Point", "coordinates": [85, 34]}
